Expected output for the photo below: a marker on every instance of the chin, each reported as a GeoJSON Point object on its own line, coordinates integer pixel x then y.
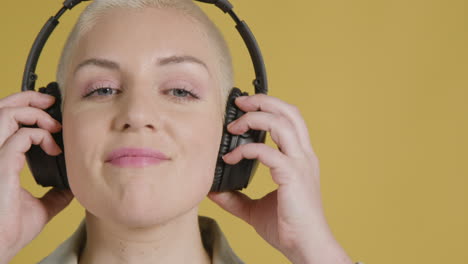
{"type": "Point", "coordinates": [146, 200]}
{"type": "Point", "coordinates": [140, 219]}
{"type": "Point", "coordinates": [140, 207]}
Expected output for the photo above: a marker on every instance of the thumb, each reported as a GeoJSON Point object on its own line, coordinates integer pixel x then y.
{"type": "Point", "coordinates": [55, 200]}
{"type": "Point", "coordinates": [235, 203]}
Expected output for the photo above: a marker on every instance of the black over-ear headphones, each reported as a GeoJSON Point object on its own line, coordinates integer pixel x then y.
{"type": "Point", "coordinates": [51, 170]}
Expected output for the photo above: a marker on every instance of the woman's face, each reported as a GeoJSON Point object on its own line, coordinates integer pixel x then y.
{"type": "Point", "coordinates": [142, 83]}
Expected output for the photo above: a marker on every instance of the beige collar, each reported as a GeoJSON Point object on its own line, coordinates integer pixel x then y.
{"type": "Point", "coordinates": [213, 240]}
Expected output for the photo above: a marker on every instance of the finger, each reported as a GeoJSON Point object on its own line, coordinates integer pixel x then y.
{"type": "Point", "coordinates": [20, 142]}
{"type": "Point", "coordinates": [234, 202]}
{"type": "Point", "coordinates": [280, 129]}
{"type": "Point", "coordinates": [270, 104]}
{"type": "Point", "coordinates": [56, 200]}
{"type": "Point", "coordinates": [28, 98]}
{"type": "Point", "coordinates": [10, 117]}
{"type": "Point", "coordinates": [267, 155]}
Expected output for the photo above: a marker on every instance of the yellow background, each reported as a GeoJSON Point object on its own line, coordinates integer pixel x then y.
{"type": "Point", "coordinates": [383, 87]}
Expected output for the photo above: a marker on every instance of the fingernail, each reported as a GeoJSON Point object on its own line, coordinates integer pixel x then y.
{"type": "Point", "coordinates": [229, 126]}
{"type": "Point", "coordinates": [49, 97]}
{"type": "Point", "coordinates": [56, 123]}
{"type": "Point", "coordinates": [241, 98]}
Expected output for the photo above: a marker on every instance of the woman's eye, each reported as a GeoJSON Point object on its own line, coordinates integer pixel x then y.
{"type": "Point", "coordinates": [182, 93]}
{"type": "Point", "coordinates": [104, 91]}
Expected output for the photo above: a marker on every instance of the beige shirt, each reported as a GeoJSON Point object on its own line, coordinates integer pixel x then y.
{"type": "Point", "coordinates": [213, 240]}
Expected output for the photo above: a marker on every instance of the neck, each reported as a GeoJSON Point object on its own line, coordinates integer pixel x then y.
{"type": "Point", "coordinates": [177, 241]}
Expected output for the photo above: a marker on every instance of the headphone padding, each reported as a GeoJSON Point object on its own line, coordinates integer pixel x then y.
{"type": "Point", "coordinates": [231, 115]}
{"type": "Point", "coordinates": [49, 170]}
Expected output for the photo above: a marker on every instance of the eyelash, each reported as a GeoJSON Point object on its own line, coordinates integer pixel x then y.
{"type": "Point", "coordinates": [190, 93]}
{"type": "Point", "coordinates": [95, 90]}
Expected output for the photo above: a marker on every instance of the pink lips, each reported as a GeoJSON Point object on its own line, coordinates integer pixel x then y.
{"type": "Point", "coordinates": [135, 157]}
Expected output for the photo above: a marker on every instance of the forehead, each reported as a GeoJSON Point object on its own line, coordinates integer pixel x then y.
{"type": "Point", "coordinates": [145, 34]}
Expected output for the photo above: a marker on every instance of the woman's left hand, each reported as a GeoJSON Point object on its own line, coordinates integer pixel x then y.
{"type": "Point", "coordinates": [290, 218]}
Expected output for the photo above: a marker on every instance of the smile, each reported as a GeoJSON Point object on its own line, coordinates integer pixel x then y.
{"type": "Point", "coordinates": [135, 157]}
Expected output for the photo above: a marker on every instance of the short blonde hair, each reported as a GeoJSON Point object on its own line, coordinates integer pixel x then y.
{"type": "Point", "coordinates": [90, 15]}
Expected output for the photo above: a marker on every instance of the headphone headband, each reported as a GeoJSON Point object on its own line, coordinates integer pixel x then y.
{"type": "Point", "coordinates": [260, 82]}
{"type": "Point", "coordinates": [51, 170]}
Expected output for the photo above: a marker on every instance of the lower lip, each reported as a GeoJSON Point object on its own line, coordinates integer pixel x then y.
{"type": "Point", "coordinates": [135, 162]}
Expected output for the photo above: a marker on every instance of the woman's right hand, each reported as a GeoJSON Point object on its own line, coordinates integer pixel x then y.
{"type": "Point", "coordinates": [23, 216]}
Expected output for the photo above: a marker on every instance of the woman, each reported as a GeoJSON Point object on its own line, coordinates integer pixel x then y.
{"type": "Point", "coordinates": [151, 78]}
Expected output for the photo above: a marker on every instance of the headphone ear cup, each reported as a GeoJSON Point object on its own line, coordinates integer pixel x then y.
{"type": "Point", "coordinates": [49, 170]}
{"type": "Point", "coordinates": [234, 177]}
{"type": "Point", "coordinates": [230, 115]}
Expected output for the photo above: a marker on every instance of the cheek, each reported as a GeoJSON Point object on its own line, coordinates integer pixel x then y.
{"type": "Point", "coordinates": [201, 146]}
{"type": "Point", "coordinates": [80, 133]}
{"type": "Point", "coordinates": [81, 138]}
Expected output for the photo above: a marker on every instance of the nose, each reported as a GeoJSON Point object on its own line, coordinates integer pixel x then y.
{"type": "Point", "coordinates": [136, 112]}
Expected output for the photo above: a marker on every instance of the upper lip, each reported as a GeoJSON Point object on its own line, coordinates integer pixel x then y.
{"type": "Point", "coordinates": [135, 152]}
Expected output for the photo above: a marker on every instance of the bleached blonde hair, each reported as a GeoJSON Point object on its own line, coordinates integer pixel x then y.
{"type": "Point", "coordinates": [89, 17]}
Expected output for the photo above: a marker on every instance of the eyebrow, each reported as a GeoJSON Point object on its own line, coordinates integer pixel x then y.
{"type": "Point", "coordinates": [111, 65]}
{"type": "Point", "coordinates": [181, 59]}
{"type": "Point", "coordinates": [103, 63]}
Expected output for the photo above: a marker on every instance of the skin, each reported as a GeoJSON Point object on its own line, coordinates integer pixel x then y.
{"type": "Point", "coordinates": [151, 209]}
{"type": "Point", "coordinates": [137, 215]}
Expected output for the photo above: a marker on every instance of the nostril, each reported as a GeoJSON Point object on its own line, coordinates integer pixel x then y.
{"type": "Point", "coordinates": [128, 126]}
